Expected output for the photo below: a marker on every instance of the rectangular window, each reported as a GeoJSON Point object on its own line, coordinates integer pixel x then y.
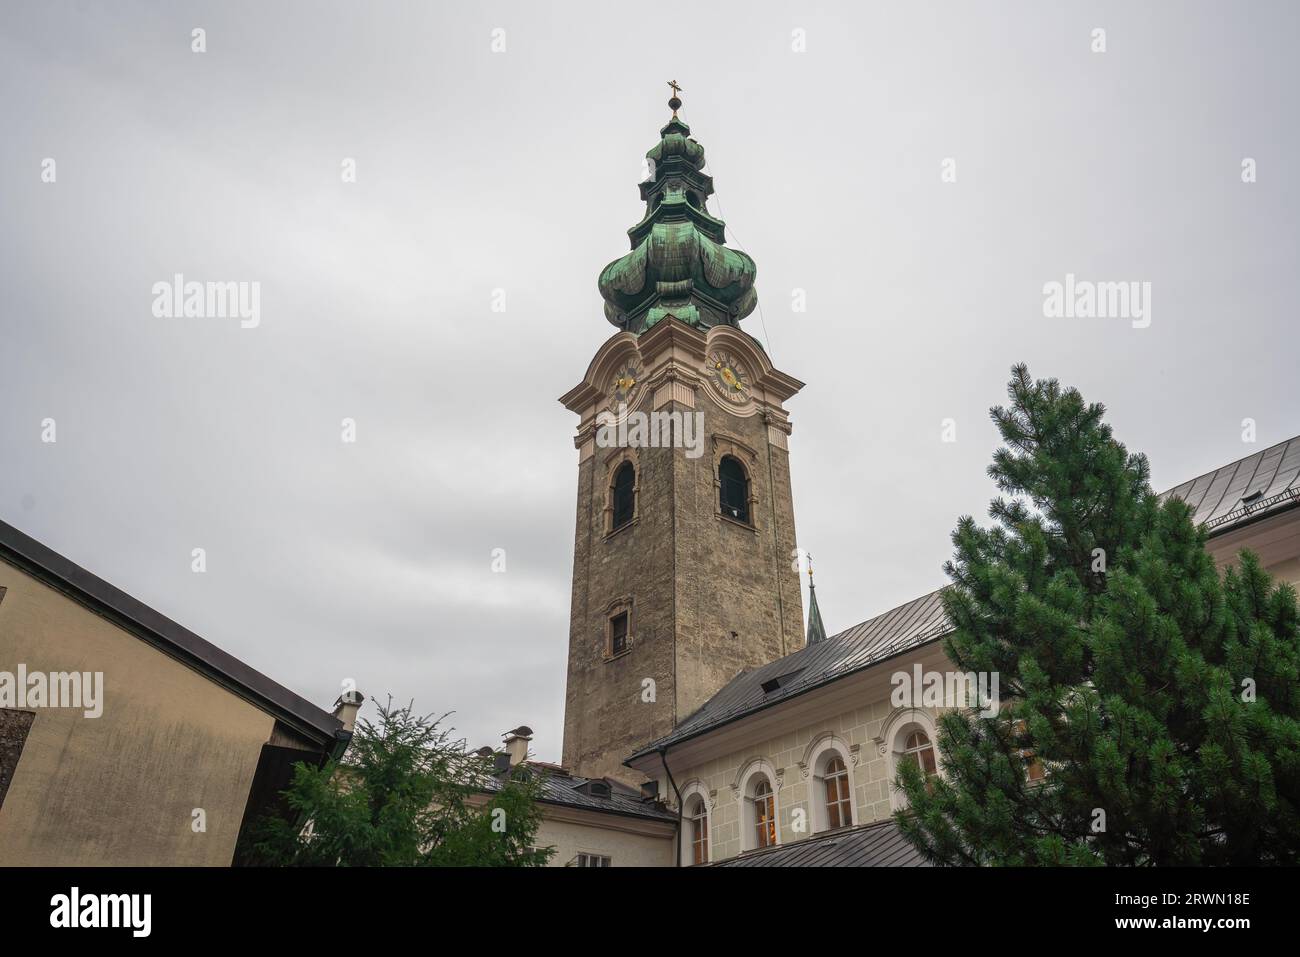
{"type": "Point", "coordinates": [618, 633]}
{"type": "Point", "coordinates": [592, 860]}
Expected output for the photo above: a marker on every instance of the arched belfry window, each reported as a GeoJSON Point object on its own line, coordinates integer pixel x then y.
{"type": "Point", "coordinates": [624, 494]}
{"type": "Point", "coordinates": [733, 489]}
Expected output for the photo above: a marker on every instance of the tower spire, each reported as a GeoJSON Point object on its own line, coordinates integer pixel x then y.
{"type": "Point", "coordinates": [680, 265]}
{"type": "Point", "coordinates": [816, 630]}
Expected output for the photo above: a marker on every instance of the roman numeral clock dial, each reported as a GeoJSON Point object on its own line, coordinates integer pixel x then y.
{"type": "Point", "coordinates": [729, 377]}
{"type": "Point", "coordinates": [623, 388]}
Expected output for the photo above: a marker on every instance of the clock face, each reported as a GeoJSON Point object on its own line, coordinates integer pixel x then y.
{"type": "Point", "coordinates": [624, 385]}
{"type": "Point", "coordinates": [729, 376]}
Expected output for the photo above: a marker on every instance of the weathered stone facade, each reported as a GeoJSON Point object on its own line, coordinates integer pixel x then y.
{"type": "Point", "coordinates": [707, 596]}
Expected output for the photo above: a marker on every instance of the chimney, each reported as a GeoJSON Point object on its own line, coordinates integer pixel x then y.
{"type": "Point", "coordinates": [347, 706]}
{"type": "Point", "coordinates": [517, 744]}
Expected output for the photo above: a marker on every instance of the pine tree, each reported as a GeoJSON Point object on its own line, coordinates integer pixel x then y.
{"type": "Point", "coordinates": [406, 794]}
{"type": "Point", "coordinates": [1156, 702]}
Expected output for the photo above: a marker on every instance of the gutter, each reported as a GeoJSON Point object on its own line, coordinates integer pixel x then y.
{"type": "Point", "coordinates": [1252, 517]}
{"type": "Point", "coordinates": [663, 757]}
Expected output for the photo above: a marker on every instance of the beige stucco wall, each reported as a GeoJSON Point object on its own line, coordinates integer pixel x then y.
{"type": "Point", "coordinates": [120, 788]}
{"type": "Point", "coordinates": [1275, 541]}
{"type": "Point", "coordinates": [641, 845]}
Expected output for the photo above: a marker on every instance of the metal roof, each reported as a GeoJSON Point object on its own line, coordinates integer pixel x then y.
{"type": "Point", "coordinates": [876, 639]}
{"type": "Point", "coordinates": [873, 845]}
{"type": "Point", "coordinates": [562, 788]}
{"type": "Point", "coordinates": [1245, 490]}
{"type": "Point", "coordinates": [1216, 497]}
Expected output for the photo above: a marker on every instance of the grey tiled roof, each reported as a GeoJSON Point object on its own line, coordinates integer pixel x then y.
{"type": "Point", "coordinates": [874, 845]}
{"type": "Point", "coordinates": [560, 787]}
{"type": "Point", "coordinates": [1269, 480]}
{"type": "Point", "coordinates": [1217, 500]}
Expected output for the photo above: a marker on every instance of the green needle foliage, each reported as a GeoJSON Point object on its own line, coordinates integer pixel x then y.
{"type": "Point", "coordinates": [406, 794]}
{"type": "Point", "coordinates": [1162, 699]}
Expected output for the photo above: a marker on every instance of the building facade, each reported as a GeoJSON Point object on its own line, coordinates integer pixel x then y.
{"type": "Point", "coordinates": [126, 739]}
{"type": "Point", "coordinates": [769, 749]}
{"type": "Point", "coordinates": [765, 765]}
{"type": "Point", "coordinates": [683, 555]}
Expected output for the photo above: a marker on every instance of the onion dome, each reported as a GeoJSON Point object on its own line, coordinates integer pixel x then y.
{"type": "Point", "coordinates": [679, 264]}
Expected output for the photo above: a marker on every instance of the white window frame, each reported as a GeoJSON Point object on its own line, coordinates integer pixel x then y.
{"type": "Point", "coordinates": [692, 791]}
{"type": "Point", "coordinates": [816, 757]}
{"type": "Point", "coordinates": [745, 784]}
{"type": "Point", "coordinates": [900, 724]}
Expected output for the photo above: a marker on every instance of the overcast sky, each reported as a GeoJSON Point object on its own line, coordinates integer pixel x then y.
{"type": "Point", "coordinates": [516, 170]}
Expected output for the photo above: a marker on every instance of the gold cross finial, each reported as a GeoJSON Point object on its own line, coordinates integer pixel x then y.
{"type": "Point", "coordinates": [675, 101]}
{"type": "Point", "coordinates": [676, 89]}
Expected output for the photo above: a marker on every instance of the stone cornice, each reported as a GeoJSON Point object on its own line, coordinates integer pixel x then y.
{"type": "Point", "coordinates": [674, 352]}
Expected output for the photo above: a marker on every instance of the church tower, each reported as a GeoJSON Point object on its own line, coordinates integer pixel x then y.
{"type": "Point", "coordinates": [684, 569]}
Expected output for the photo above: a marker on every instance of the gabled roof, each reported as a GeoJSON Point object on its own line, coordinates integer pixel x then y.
{"type": "Point", "coordinates": [873, 845]}
{"type": "Point", "coordinates": [129, 614]}
{"type": "Point", "coordinates": [1216, 497]}
{"type": "Point", "coordinates": [559, 787]}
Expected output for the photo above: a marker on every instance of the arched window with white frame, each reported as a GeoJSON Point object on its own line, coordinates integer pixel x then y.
{"type": "Point", "coordinates": [762, 804]}
{"type": "Point", "coordinates": [828, 763]}
{"type": "Point", "coordinates": [697, 816]}
{"type": "Point", "coordinates": [910, 737]}
{"type": "Point", "coordinates": [696, 829]}
{"type": "Point", "coordinates": [919, 749]}
{"type": "Point", "coordinates": [758, 795]}
{"type": "Point", "coordinates": [839, 803]}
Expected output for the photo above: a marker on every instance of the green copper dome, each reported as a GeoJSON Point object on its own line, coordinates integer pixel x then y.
{"type": "Point", "coordinates": [679, 264]}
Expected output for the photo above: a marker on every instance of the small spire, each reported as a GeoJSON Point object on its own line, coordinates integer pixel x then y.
{"type": "Point", "coordinates": [816, 630]}
{"type": "Point", "coordinates": [675, 103]}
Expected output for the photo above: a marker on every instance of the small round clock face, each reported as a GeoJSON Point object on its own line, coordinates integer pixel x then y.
{"type": "Point", "coordinates": [729, 376]}
{"type": "Point", "coordinates": [624, 384]}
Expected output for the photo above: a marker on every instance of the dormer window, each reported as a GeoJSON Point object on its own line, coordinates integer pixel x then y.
{"type": "Point", "coordinates": [596, 789]}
